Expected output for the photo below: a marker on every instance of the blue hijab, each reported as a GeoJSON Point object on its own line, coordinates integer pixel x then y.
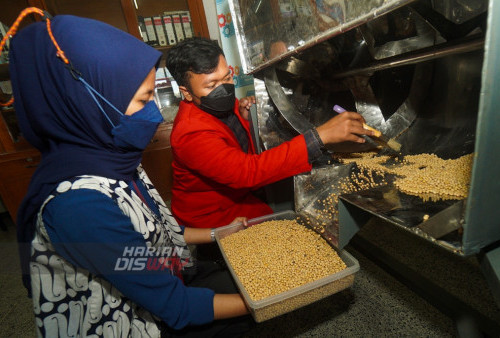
{"type": "Point", "coordinates": [56, 113]}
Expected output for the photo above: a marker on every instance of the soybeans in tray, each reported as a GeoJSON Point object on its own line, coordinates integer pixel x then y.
{"type": "Point", "coordinates": [280, 265]}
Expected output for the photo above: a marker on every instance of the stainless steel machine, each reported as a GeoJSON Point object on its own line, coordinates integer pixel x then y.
{"type": "Point", "coordinates": [423, 72]}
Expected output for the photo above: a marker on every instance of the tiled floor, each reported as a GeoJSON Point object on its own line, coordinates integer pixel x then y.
{"type": "Point", "coordinates": [16, 317]}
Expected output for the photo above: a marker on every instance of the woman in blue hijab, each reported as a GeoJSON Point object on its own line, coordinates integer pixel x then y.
{"type": "Point", "coordinates": [100, 251]}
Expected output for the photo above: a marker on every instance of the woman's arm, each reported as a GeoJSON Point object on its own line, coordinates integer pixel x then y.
{"type": "Point", "coordinates": [103, 241]}
{"type": "Point", "coordinates": [225, 305]}
{"type": "Point", "coordinates": [203, 236]}
{"type": "Point", "coordinates": [197, 235]}
{"type": "Point", "coordinates": [228, 306]}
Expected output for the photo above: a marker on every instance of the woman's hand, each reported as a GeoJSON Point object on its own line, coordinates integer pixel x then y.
{"type": "Point", "coordinates": [201, 236]}
{"type": "Point", "coordinates": [240, 220]}
{"type": "Point", "coordinates": [245, 104]}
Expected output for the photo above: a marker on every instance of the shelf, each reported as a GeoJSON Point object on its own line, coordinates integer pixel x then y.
{"type": "Point", "coordinates": [194, 7]}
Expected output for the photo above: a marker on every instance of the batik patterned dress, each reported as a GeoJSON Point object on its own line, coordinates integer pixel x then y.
{"type": "Point", "coordinates": [71, 301]}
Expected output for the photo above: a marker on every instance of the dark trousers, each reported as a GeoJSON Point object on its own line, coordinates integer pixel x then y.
{"type": "Point", "coordinates": [211, 275]}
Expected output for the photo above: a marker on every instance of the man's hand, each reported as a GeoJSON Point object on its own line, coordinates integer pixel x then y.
{"type": "Point", "coordinates": [277, 48]}
{"type": "Point", "coordinates": [343, 127]}
{"type": "Point", "coordinates": [245, 104]}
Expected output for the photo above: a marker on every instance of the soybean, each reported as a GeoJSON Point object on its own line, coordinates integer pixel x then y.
{"type": "Point", "coordinates": [424, 175]}
{"type": "Point", "coordinates": [275, 256]}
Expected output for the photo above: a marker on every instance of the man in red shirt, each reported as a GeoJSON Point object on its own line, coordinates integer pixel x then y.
{"type": "Point", "coordinates": [215, 165]}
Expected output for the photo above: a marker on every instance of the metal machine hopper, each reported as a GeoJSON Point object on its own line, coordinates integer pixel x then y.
{"type": "Point", "coordinates": [423, 72]}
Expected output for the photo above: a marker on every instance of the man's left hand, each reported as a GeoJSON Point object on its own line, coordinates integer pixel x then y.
{"type": "Point", "coordinates": [245, 104]}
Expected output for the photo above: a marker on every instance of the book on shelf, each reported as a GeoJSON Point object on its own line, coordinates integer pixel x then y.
{"type": "Point", "coordinates": [169, 29]}
{"type": "Point", "coordinates": [186, 24]}
{"type": "Point", "coordinates": [166, 29]}
{"type": "Point", "coordinates": [150, 29]}
{"type": "Point", "coordinates": [179, 33]}
{"type": "Point", "coordinates": [142, 29]}
{"type": "Point", "coordinates": [160, 32]}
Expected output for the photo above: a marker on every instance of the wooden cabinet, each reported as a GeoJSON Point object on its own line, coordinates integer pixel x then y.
{"type": "Point", "coordinates": [157, 161]}
{"type": "Point", "coordinates": [18, 159]}
{"type": "Point", "coordinates": [149, 8]}
{"type": "Point", "coordinates": [16, 170]}
{"type": "Point", "coordinates": [123, 13]}
{"type": "Point", "coordinates": [119, 13]}
{"type": "Point", "coordinates": [9, 10]}
{"type": "Point", "coordinates": [109, 11]}
{"type": "Point", "coordinates": [154, 7]}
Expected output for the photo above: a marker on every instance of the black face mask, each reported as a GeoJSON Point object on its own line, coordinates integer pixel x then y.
{"type": "Point", "coordinates": [220, 101]}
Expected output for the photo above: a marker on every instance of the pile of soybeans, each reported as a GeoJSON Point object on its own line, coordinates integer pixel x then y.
{"type": "Point", "coordinates": [276, 256]}
{"type": "Point", "coordinates": [425, 175]}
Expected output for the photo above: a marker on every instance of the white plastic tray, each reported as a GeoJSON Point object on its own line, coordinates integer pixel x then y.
{"type": "Point", "coordinates": [295, 298]}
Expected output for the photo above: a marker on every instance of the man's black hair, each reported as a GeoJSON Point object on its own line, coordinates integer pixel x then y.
{"type": "Point", "coordinates": [197, 55]}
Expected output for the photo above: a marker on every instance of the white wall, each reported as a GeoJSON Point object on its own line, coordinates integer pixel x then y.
{"type": "Point", "coordinates": [212, 23]}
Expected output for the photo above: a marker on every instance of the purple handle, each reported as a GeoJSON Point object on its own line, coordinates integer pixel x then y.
{"type": "Point", "coordinates": [338, 109]}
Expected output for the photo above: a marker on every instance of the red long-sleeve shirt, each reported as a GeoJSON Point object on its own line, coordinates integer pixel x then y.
{"type": "Point", "coordinates": [214, 178]}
